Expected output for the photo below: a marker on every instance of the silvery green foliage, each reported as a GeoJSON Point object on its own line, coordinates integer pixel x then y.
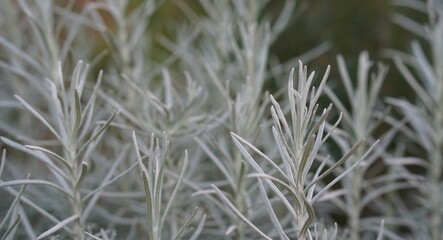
{"type": "Point", "coordinates": [154, 100]}
{"type": "Point", "coordinates": [233, 44]}
{"type": "Point", "coordinates": [67, 161]}
{"type": "Point", "coordinates": [63, 131]}
{"type": "Point", "coordinates": [153, 175]}
{"type": "Point", "coordinates": [424, 117]}
{"type": "Point", "coordinates": [212, 168]}
{"type": "Point", "coordinates": [12, 217]}
{"type": "Point", "coordinates": [290, 180]}
{"type": "Point", "coordinates": [27, 65]}
{"type": "Point", "coordinates": [360, 121]}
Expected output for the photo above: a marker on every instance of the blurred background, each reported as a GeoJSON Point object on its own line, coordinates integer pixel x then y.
{"type": "Point", "coordinates": [344, 27]}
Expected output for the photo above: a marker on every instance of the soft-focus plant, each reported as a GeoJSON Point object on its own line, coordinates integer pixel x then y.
{"type": "Point", "coordinates": [71, 124]}
{"type": "Point", "coordinates": [424, 115]}
{"type": "Point", "coordinates": [246, 173]}
{"type": "Point", "coordinates": [363, 188]}
{"type": "Point", "coordinates": [153, 100]}
{"type": "Point", "coordinates": [233, 43]}
{"type": "Point", "coordinates": [299, 143]}
{"type": "Point", "coordinates": [26, 65]}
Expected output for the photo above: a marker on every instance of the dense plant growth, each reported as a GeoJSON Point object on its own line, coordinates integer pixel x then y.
{"type": "Point", "coordinates": [111, 130]}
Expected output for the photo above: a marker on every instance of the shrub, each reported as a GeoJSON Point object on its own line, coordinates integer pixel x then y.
{"type": "Point", "coordinates": [113, 129]}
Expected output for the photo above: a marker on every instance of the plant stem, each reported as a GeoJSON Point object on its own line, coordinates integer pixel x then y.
{"type": "Point", "coordinates": [78, 209]}
{"type": "Point", "coordinates": [76, 202]}
{"type": "Point", "coordinates": [354, 215]}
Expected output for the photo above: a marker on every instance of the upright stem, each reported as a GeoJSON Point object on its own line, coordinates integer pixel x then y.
{"type": "Point", "coordinates": [78, 209]}
{"type": "Point", "coordinates": [239, 197]}
{"type": "Point", "coordinates": [76, 202]}
{"type": "Point", "coordinates": [301, 221]}
{"type": "Point", "coordinates": [355, 211]}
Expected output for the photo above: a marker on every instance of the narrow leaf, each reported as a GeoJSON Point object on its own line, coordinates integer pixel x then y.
{"type": "Point", "coordinates": [12, 206]}
{"type": "Point", "coordinates": [199, 228]}
{"type": "Point", "coordinates": [186, 225]}
{"type": "Point", "coordinates": [83, 173]}
{"type": "Point", "coordinates": [53, 154]}
{"type": "Point", "coordinates": [238, 213]}
{"type": "Point", "coordinates": [12, 227]}
{"type": "Point", "coordinates": [34, 112]}
{"type": "Point", "coordinates": [58, 226]}
{"type": "Point", "coordinates": [97, 133]}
